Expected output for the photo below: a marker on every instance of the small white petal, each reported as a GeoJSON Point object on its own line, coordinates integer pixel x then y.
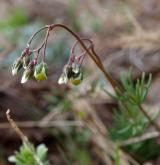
{"type": "Point", "coordinates": [24, 79]}
{"type": "Point", "coordinates": [14, 72]}
{"type": "Point", "coordinates": [75, 68]}
{"type": "Point", "coordinates": [62, 80]}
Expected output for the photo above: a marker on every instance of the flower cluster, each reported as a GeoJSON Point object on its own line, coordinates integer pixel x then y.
{"type": "Point", "coordinates": [72, 71]}
{"type": "Point", "coordinates": [31, 68]}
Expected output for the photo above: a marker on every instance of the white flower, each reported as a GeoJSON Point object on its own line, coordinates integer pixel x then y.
{"type": "Point", "coordinates": [75, 68]}
{"type": "Point", "coordinates": [17, 65]}
{"type": "Point", "coordinates": [27, 74]}
{"type": "Point", "coordinates": [63, 79]}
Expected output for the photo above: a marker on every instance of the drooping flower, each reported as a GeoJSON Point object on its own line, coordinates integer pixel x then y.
{"type": "Point", "coordinates": [71, 73]}
{"type": "Point", "coordinates": [27, 74]}
{"type": "Point", "coordinates": [75, 67]}
{"type": "Point", "coordinates": [17, 65]}
{"type": "Point", "coordinates": [77, 78]}
{"type": "Point", "coordinates": [26, 61]}
{"type": "Point", "coordinates": [63, 79]}
{"type": "Point", "coordinates": [41, 71]}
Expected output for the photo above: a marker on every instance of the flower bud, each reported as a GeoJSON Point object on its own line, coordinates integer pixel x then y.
{"type": "Point", "coordinates": [26, 61]}
{"type": "Point", "coordinates": [41, 71]}
{"type": "Point", "coordinates": [27, 74]}
{"type": "Point", "coordinates": [77, 78]}
{"type": "Point", "coordinates": [75, 67]}
{"type": "Point", "coordinates": [63, 79]}
{"type": "Point", "coordinates": [17, 65]}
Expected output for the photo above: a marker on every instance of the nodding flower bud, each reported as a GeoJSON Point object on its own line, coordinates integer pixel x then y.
{"type": "Point", "coordinates": [27, 74]}
{"type": "Point", "coordinates": [75, 67]}
{"type": "Point", "coordinates": [26, 61]}
{"type": "Point", "coordinates": [41, 71]}
{"type": "Point", "coordinates": [72, 73]}
{"type": "Point", "coordinates": [77, 78]}
{"type": "Point", "coordinates": [63, 79]}
{"type": "Point", "coordinates": [17, 65]}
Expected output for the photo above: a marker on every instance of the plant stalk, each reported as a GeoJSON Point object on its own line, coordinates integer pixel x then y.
{"type": "Point", "coordinates": [150, 119]}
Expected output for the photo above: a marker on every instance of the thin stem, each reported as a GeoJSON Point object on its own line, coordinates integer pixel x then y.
{"type": "Point", "coordinates": [45, 45]}
{"type": "Point", "coordinates": [37, 56]}
{"type": "Point", "coordinates": [149, 118]}
{"type": "Point", "coordinates": [39, 48]}
{"type": "Point", "coordinates": [30, 40]}
{"type": "Point", "coordinates": [15, 127]}
{"type": "Point", "coordinates": [81, 56]}
{"type": "Point", "coordinates": [76, 42]}
{"type": "Point", "coordinates": [32, 37]}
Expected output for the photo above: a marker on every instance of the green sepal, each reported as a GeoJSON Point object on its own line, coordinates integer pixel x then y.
{"type": "Point", "coordinates": [41, 71]}
{"type": "Point", "coordinates": [27, 74]}
{"type": "Point", "coordinates": [17, 65]}
{"type": "Point", "coordinates": [77, 78]}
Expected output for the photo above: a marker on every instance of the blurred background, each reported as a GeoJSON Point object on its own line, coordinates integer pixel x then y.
{"type": "Point", "coordinates": [75, 123]}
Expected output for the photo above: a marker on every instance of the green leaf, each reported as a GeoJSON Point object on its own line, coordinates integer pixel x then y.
{"type": "Point", "coordinates": [41, 71]}
{"type": "Point", "coordinates": [42, 151]}
{"type": "Point", "coordinates": [26, 155]}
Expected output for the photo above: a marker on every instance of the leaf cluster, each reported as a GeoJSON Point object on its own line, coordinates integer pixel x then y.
{"type": "Point", "coordinates": [128, 119]}
{"type": "Point", "coordinates": [133, 92]}
{"type": "Point", "coordinates": [26, 155]}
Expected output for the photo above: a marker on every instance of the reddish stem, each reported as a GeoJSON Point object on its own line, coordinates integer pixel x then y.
{"type": "Point", "coordinates": [93, 55]}
{"type": "Point", "coordinates": [91, 52]}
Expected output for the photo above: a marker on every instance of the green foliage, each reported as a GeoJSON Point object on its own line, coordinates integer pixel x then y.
{"type": "Point", "coordinates": [28, 154]}
{"type": "Point", "coordinates": [128, 122]}
{"type": "Point", "coordinates": [145, 150]}
{"type": "Point", "coordinates": [41, 151]}
{"type": "Point", "coordinates": [128, 119]}
{"type": "Point", "coordinates": [135, 93]}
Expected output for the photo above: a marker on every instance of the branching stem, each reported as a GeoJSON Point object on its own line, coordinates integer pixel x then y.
{"type": "Point", "coordinates": [91, 52]}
